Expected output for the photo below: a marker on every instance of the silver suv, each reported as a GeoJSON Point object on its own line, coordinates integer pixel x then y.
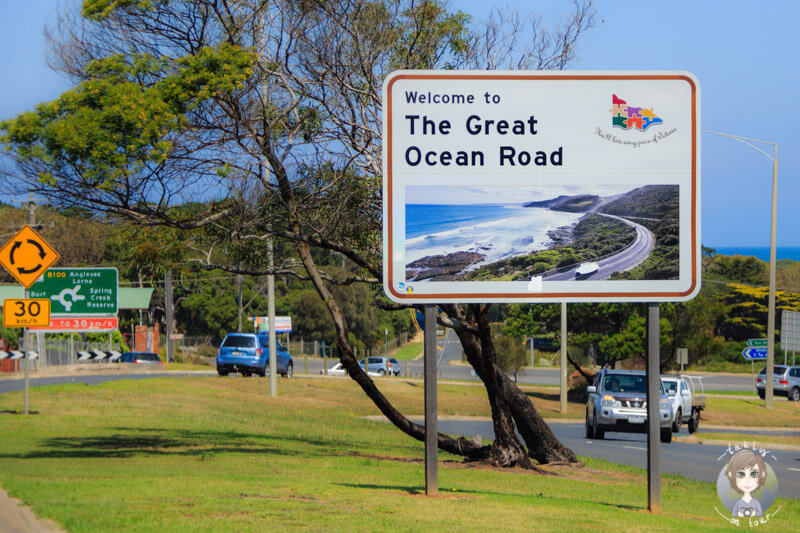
{"type": "Point", "coordinates": [785, 382]}
{"type": "Point", "coordinates": [618, 402]}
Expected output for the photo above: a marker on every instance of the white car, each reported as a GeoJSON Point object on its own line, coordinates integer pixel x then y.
{"type": "Point", "coordinates": [339, 370]}
{"type": "Point", "coordinates": [336, 370]}
{"type": "Point", "coordinates": [687, 397]}
{"type": "Point", "coordinates": [586, 269]}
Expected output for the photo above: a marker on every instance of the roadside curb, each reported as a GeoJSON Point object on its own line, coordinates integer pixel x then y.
{"type": "Point", "coordinates": [755, 443]}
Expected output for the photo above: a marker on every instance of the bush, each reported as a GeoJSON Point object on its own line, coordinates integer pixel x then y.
{"type": "Point", "coordinates": [205, 350]}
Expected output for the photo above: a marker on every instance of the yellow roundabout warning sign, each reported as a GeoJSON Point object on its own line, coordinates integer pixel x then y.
{"type": "Point", "coordinates": [27, 256]}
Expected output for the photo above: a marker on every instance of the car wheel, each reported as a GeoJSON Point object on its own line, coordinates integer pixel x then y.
{"type": "Point", "coordinates": [676, 424]}
{"type": "Point", "coordinates": [381, 372]}
{"type": "Point", "coordinates": [589, 429]}
{"type": "Point", "coordinates": [221, 371]}
{"type": "Point", "coordinates": [794, 394]}
{"type": "Point", "coordinates": [289, 371]}
{"type": "Point", "coordinates": [694, 421]}
{"type": "Point", "coordinates": [599, 433]}
{"type": "Point", "coordinates": [762, 394]}
{"type": "Point", "coordinates": [666, 435]}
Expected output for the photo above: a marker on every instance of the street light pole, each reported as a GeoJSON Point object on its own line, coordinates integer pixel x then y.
{"type": "Point", "coordinates": [772, 256]}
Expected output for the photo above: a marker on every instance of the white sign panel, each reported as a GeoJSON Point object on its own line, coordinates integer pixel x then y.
{"type": "Point", "coordinates": [541, 186]}
{"type": "Point", "coordinates": [790, 330]}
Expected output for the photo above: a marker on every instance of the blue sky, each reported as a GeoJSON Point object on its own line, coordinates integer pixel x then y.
{"type": "Point", "coordinates": [744, 54]}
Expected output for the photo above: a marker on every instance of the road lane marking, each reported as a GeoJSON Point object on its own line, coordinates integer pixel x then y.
{"type": "Point", "coordinates": [635, 448]}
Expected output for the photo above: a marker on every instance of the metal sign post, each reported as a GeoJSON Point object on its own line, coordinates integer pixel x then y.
{"type": "Point", "coordinates": [653, 411]}
{"type": "Point", "coordinates": [431, 423]}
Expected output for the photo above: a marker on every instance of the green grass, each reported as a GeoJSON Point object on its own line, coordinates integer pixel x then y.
{"type": "Point", "coordinates": [221, 454]}
{"type": "Point", "coordinates": [408, 351]}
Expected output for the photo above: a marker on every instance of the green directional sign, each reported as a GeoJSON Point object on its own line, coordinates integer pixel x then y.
{"type": "Point", "coordinates": [756, 343]}
{"type": "Point", "coordinates": [79, 291]}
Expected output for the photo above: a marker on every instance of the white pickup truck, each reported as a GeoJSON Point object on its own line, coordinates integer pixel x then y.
{"type": "Point", "coordinates": [687, 396]}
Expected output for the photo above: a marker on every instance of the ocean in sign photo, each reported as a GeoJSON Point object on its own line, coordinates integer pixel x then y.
{"type": "Point", "coordinates": [495, 231]}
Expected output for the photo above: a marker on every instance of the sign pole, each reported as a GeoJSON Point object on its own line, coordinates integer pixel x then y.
{"type": "Point", "coordinates": [431, 424]}
{"type": "Point", "coordinates": [653, 411]}
{"type": "Point", "coordinates": [563, 361]}
{"type": "Point", "coordinates": [26, 337]}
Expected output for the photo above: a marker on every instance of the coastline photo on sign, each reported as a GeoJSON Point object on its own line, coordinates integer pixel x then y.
{"type": "Point", "coordinates": [561, 233]}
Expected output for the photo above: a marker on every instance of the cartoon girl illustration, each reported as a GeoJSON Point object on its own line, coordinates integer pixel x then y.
{"type": "Point", "coordinates": [746, 473]}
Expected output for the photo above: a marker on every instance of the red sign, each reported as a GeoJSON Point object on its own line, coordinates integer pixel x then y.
{"type": "Point", "coordinates": [90, 324]}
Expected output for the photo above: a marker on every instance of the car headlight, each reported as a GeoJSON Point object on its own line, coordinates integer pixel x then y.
{"type": "Point", "coordinates": [665, 403]}
{"type": "Point", "coordinates": [609, 401]}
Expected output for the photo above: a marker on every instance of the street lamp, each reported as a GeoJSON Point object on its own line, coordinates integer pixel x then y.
{"type": "Point", "coordinates": [772, 260]}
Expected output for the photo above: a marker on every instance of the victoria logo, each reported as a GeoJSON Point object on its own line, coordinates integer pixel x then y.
{"type": "Point", "coordinates": [629, 117]}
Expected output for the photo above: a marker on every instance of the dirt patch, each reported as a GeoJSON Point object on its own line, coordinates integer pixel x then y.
{"type": "Point", "coordinates": [18, 518]}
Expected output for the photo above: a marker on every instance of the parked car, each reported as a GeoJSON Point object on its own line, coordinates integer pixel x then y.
{"type": "Point", "coordinates": [785, 382]}
{"type": "Point", "coordinates": [248, 353]}
{"type": "Point", "coordinates": [140, 358]}
{"type": "Point", "coordinates": [382, 366]}
{"type": "Point", "coordinates": [686, 394]}
{"type": "Point", "coordinates": [339, 370]}
{"type": "Point", "coordinates": [618, 402]}
{"type": "Point", "coordinates": [544, 345]}
{"type": "Point", "coordinates": [336, 370]}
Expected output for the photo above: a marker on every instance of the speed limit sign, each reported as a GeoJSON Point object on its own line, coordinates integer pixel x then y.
{"type": "Point", "coordinates": [26, 312]}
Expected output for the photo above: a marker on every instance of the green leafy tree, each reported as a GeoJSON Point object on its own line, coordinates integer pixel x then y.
{"type": "Point", "coordinates": [267, 116]}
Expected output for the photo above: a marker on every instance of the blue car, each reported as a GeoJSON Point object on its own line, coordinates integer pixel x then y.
{"type": "Point", "coordinates": [248, 353]}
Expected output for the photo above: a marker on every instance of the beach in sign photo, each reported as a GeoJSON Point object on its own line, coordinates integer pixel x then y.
{"type": "Point", "coordinates": [576, 232]}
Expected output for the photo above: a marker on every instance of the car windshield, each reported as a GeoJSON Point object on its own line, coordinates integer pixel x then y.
{"type": "Point", "coordinates": [670, 385]}
{"type": "Point", "coordinates": [777, 370]}
{"type": "Point", "coordinates": [624, 383]}
{"type": "Point", "coordinates": [146, 357]}
{"type": "Point", "coordinates": [239, 341]}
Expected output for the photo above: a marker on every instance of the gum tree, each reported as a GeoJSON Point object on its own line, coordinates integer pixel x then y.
{"type": "Point", "coordinates": [251, 123]}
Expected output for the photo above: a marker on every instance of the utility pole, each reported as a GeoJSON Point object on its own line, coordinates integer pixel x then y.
{"type": "Point", "coordinates": [26, 334]}
{"type": "Point", "coordinates": [239, 287]}
{"type": "Point", "coordinates": [170, 312]}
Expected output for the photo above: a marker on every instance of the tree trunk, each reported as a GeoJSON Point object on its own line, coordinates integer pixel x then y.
{"type": "Point", "coordinates": [542, 444]}
{"type": "Point", "coordinates": [458, 446]}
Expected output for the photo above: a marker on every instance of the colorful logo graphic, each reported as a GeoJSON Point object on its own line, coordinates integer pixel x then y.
{"type": "Point", "coordinates": [747, 485]}
{"type": "Point", "coordinates": [627, 117]}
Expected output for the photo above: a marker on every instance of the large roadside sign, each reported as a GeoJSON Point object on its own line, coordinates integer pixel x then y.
{"type": "Point", "coordinates": [80, 292]}
{"type": "Point", "coordinates": [541, 186]}
{"type": "Point", "coordinates": [27, 255]}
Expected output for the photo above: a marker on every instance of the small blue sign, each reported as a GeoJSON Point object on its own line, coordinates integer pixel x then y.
{"type": "Point", "coordinates": [755, 354]}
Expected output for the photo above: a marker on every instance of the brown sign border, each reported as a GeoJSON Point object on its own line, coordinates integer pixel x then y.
{"type": "Point", "coordinates": [543, 296]}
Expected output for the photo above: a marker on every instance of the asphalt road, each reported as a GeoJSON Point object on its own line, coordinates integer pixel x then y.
{"type": "Point", "coordinates": [18, 384]}
{"type": "Point", "coordinates": [630, 257]}
{"type": "Point", "coordinates": [695, 461]}
{"type": "Point", "coordinates": [450, 368]}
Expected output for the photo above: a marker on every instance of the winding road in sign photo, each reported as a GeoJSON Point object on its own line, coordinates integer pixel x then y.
{"type": "Point", "coordinates": [631, 257]}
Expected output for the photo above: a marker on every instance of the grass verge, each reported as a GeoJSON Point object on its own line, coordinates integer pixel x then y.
{"type": "Point", "coordinates": [221, 454]}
